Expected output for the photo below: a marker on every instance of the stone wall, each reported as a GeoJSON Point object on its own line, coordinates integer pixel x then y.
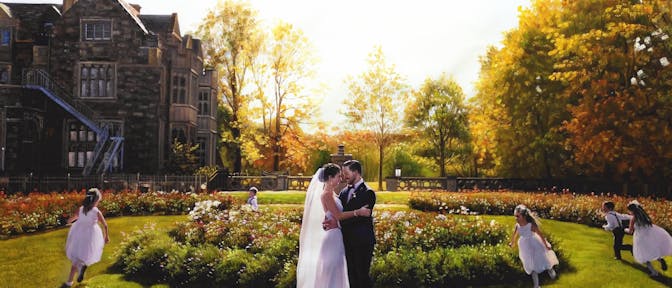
{"type": "Point", "coordinates": [68, 49]}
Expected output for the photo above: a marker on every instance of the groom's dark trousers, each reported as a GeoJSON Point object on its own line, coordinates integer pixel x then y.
{"type": "Point", "coordinates": [358, 237]}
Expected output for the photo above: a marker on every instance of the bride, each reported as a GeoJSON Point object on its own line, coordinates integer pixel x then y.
{"type": "Point", "coordinates": [321, 253]}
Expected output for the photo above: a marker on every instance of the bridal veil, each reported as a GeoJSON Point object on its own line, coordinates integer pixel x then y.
{"type": "Point", "coordinates": [311, 233]}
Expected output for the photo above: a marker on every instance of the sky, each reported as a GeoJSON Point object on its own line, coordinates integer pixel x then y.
{"type": "Point", "coordinates": [422, 38]}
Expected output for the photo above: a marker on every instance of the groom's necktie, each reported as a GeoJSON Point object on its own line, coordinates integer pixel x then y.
{"type": "Point", "coordinates": [351, 192]}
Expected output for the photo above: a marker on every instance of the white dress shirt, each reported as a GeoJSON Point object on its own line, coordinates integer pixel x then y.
{"type": "Point", "coordinates": [253, 202]}
{"type": "Point", "coordinates": [351, 191]}
{"type": "Point", "coordinates": [614, 220]}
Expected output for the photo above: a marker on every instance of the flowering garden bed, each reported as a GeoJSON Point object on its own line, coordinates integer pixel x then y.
{"type": "Point", "coordinates": [582, 209]}
{"type": "Point", "coordinates": [240, 248]}
{"type": "Point", "coordinates": [21, 214]}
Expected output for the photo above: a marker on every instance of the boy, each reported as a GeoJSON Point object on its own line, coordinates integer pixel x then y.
{"type": "Point", "coordinates": [252, 198]}
{"type": "Point", "coordinates": [616, 226]}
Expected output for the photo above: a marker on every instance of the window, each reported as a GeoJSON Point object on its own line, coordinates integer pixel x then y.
{"type": "Point", "coordinates": [178, 133]}
{"type": "Point", "coordinates": [179, 89]}
{"type": "Point", "coordinates": [80, 146]}
{"type": "Point", "coordinates": [204, 103]}
{"type": "Point", "coordinates": [97, 80]}
{"type": "Point", "coordinates": [115, 128]}
{"type": "Point", "coordinates": [193, 90]}
{"type": "Point", "coordinates": [95, 30]}
{"type": "Point", "coordinates": [4, 75]}
{"type": "Point", "coordinates": [5, 36]}
{"type": "Point", "coordinates": [200, 152]}
{"type": "Point", "coordinates": [82, 142]}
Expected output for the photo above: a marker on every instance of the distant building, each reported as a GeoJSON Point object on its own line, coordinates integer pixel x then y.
{"type": "Point", "coordinates": [94, 86]}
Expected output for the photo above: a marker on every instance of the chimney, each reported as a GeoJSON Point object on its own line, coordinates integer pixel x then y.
{"type": "Point", "coordinates": [137, 8]}
{"type": "Point", "coordinates": [67, 4]}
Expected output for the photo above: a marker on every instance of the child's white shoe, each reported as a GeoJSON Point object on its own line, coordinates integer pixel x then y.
{"type": "Point", "coordinates": [552, 274]}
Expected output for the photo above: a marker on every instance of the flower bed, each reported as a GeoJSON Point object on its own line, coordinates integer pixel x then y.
{"type": "Point", "coordinates": [583, 209]}
{"type": "Point", "coordinates": [42, 211]}
{"type": "Point", "coordinates": [241, 248]}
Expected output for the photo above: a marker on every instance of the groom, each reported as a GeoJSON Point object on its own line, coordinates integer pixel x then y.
{"type": "Point", "coordinates": [358, 235]}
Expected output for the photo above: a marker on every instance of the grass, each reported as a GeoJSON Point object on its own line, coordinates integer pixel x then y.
{"type": "Point", "coordinates": [39, 260]}
{"type": "Point", "coordinates": [591, 259]}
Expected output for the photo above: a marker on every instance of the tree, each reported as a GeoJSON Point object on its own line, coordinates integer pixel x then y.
{"type": "Point", "coordinates": [376, 100]}
{"type": "Point", "coordinates": [182, 159]}
{"type": "Point", "coordinates": [232, 41]}
{"type": "Point", "coordinates": [438, 112]}
{"type": "Point", "coordinates": [525, 107]}
{"type": "Point", "coordinates": [290, 64]}
{"type": "Point", "coordinates": [614, 60]}
{"type": "Point", "coordinates": [487, 117]}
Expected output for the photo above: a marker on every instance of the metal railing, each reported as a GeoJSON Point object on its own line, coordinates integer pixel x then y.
{"type": "Point", "coordinates": [39, 80]}
{"type": "Point", "coordinates": [104, 150]}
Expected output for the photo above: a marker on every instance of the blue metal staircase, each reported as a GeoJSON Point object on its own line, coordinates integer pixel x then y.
{"type": "Point", "coordinates": [106, 146]}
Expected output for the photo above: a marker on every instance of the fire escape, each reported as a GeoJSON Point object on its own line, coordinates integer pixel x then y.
{"type": "Point", "coordinates": [107, 148]}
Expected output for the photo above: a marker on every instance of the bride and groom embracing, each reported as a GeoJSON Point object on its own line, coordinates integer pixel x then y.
{"type": "Point", "coordinates": [330, 257]}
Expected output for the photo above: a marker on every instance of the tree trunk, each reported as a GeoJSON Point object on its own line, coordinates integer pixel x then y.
{"type": "Point", "coordinates": [442, 156]}
{"type": "Point", "coordinates": [547, 164]}
{"type": "Point", "coordinates": [475, 166]}
{"type": "Point", "coordinates": [380, 167]}
{"type": "Point", "coordinates": [237, 161]}
{"type": "Point", "coordinates": [276, 144]}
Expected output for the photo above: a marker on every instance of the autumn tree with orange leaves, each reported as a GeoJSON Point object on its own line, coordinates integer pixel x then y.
{"type": "Point", "coordinates": [580, 88]}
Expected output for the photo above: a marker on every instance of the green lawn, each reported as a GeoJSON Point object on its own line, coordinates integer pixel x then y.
{"type": "Point", "coordinates": [591, 258]}
{"type": "Point", "coordinates": [39, 260]}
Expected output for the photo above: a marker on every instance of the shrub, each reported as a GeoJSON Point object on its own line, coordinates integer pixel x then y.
{"type": "Point", "coordinates": [414, 249]}
{"type": "Point", "coordinates": [234, 262]}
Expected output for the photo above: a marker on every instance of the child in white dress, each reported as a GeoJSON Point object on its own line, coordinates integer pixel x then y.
{"type": "Point", "coordinates": [649, 241]}
{"type": "Point", "coordinates": [85, 238]}
{"type": "Point", "coordinates": [534, 251]}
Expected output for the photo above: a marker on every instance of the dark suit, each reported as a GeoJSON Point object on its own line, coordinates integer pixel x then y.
{"type": "Point", "coordinates": [358, 236]}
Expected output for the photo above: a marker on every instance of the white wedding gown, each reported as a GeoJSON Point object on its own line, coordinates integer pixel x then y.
{"type": "Point", "coordinates": [321, 260]}
{"type": "Point", "coordinates": [332, 270]}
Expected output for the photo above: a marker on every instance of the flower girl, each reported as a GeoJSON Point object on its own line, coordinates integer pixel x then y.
{"type": "Point", "coordinates": [534, 251]}
{"type": "Point", "coordinates": [649, 241]}
{"type": "Point", "coordinates": [85, 238]}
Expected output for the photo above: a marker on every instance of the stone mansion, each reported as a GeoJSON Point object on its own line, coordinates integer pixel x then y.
{"type": "Point", "coordinates": [94, 86]}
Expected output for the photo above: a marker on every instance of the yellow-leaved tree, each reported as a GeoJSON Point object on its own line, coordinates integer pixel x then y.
{"type": "Point", "coordinates": [375, 103]}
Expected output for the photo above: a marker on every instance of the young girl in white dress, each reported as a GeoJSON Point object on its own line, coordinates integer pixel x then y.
{"type": "Point", "coordinates": [649, 241]}
{"type": "Point", "coordinates": [534, 251]}
{"type": "Point", "coordinates": [322, 253]}
{"type": "Point", "coordinates": [85, 238]}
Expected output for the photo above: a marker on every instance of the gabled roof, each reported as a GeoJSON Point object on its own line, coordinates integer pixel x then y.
{"type": "Point", "coordinates": [32, 17]}
{"type": "Point", "coordinates": [26, 11]}
{"type": "Point", "coordinates": [5, 10]}
{"type": "Point", "coordinates": [134, 14]}
{"type": "Point", "coordinates": [158, 23]}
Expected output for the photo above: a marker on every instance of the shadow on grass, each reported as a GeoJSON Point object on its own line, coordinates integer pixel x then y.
{"type": "Point", "coordinates": [662, 279]}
